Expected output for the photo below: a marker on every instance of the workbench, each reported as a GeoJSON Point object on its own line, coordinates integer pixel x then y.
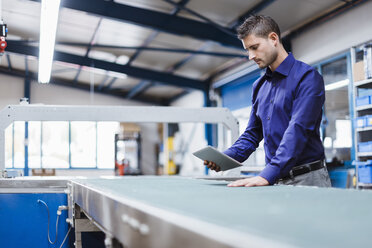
{"type": "Point", "coordinates": [186, 212]}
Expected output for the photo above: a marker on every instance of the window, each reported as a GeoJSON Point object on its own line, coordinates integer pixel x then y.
{"type": "Point", "coordinates": [34, 144]}
{"type": "Point", "coordinates": [343, 134]}
{"type": "Point", "coordinates": [9, 147]}
{"type": "Point", "coordinates": [61, 144]}
{"type": "Point", "coordinates": [335, 71]}
{"type": "Point", "coordinates": [55, 144]}
{"type": "Point", "coordinates": [336, 122]}
{"type": "Point", "coordinates": [19, 144]}
{"type": "Point", "coordinates": [258, 157]}
{"type": "Point", "coordinates": [83, 144]}
{"type": "Point", "coordinates": [106, 144]}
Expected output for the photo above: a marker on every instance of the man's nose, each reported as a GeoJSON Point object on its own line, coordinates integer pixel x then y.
{"type": "Point", "coordinates": [251, 55]}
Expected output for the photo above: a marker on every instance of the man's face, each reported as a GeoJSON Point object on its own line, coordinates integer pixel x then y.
{"type": "Point", "coordinates": [262, 50]}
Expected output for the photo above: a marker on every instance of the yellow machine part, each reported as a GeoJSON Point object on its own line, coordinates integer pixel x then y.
{"type": "Point", "coordinates": [170, 165]}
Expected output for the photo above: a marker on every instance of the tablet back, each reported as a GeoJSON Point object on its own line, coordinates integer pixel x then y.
{"type": "Point", "coordinates": [212, 154]}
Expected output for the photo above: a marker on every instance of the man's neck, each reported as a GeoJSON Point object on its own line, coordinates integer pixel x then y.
{"type": "Point", "coordinates": [281, 57]}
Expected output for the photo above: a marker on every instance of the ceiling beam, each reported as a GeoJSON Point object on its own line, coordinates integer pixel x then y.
{"type": "Point", "coordinates": [109, 84]}
{"type": "Point", "coordinates": [154, 19]}
{"type": "Point", "coordinates": [139, 88]}
{"type": "Point", "coordinates": [9, 62]}
{"type": "Point", "coordinates": [252, 11]}
{"type": "Point", "coordinates": [145, 84]}
{"type": "Point", "coordinates": [155, 33]}
{"type": "Point", "coordinates": [81, 86]}
{"type": "Point", "coordinates": [91, 43]}
{"type": "Point", "coordinates": [204, 18]}
{"type": "Point", "coordinates": [136, 72]}
{"type": "Point", "coordinates": [142, 48]}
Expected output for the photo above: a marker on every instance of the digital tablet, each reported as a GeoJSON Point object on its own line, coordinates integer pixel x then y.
{"type": "Point", "coordinates": [222, 160]}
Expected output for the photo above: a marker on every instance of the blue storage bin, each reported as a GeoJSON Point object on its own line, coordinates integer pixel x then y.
{"type": "Point", "coordinates": [365, 172]}
{"type": "Point", "coordinates": [360, 122]}
{"type": "Point", "coordinates": [365, 146]}
{"type": "Point", "coordinates": [363, 100]}
{"type": "Point", "coordinates": [368, 120]}
{"type": "Point", "coordinates": [339, 178]}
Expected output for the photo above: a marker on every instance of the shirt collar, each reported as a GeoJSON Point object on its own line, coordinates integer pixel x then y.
{"type": "Point", "coordinates": [283, 68]}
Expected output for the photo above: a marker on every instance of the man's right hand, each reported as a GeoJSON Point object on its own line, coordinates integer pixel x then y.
{"type": "Point", "coordinates": [211, 165]}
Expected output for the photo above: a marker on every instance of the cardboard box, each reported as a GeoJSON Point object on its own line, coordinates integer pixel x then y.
{"type": "Point", "coordinates": [358, 73]}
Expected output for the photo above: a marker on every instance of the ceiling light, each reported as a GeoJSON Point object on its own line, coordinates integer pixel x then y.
{"type": "Point", "coordinates": [122, 59]}
{"type": "Point", "coordinates": [48, 28]}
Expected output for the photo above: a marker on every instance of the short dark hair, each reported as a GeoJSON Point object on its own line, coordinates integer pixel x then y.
{"type": "Point", "coordinates": [259, 25]}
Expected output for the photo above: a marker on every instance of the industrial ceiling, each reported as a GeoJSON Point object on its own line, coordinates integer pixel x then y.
{"type": "Point", "coordinates": [151, 51]}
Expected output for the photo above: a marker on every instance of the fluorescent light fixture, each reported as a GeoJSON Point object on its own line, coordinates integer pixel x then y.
{"type": "Point", "coordinates": [48, 28]}
{"type": "Point", "coordinates": [337, 85]}
{"type": "Point", "coordinates": [117, 75]}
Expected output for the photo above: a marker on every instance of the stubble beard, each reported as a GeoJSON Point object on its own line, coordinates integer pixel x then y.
{"type": "Point", "coordinates": [270, 59]}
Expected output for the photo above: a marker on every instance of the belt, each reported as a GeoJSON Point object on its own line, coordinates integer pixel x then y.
{"type": "Point", "coordinates": [304, 168]}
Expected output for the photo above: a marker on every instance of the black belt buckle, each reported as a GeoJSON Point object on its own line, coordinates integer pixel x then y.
{"type": "Point", "coordinates": [303, 169]}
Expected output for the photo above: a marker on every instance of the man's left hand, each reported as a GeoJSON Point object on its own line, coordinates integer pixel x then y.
{"type": "Point", "coordinates": [249, 182]}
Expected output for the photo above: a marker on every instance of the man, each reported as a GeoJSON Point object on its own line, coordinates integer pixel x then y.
{"type": "Point", "coordinates": [286, 112]}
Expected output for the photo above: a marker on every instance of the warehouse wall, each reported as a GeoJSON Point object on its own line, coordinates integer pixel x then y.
{"type": "Point", "coordinates": [60, 95]}
{"type": "Point", "coordinates": [12, 89]}
{"type": "Point", "coordinates": [335, 35]}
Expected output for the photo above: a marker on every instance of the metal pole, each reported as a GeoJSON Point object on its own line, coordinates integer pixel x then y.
{"type": "Point", "coordinates": [26, 149]}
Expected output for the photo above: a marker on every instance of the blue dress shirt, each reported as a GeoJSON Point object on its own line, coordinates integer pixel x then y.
{"type": "Point", "coordinates": [286, 112]}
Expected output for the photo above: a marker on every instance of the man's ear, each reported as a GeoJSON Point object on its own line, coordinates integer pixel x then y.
{"type": "Point", "coordinates": [273, 37]}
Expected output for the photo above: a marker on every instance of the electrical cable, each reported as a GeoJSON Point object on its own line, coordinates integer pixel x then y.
{"type": "Point", "coordinates": [52, 243]}
{"type": "Point", "coordinates": [65, 237]}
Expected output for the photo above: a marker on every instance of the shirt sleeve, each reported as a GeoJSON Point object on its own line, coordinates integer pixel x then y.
{"type": "Point", "coordinates": [306, 113]}
{"type": "Point", "coordinates": [249, 140]}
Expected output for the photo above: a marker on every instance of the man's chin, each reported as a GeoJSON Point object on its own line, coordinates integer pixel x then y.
{"type": "Point", "coordinates": [261, 65]}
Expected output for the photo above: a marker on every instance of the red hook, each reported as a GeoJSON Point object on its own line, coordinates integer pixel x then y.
{"type": "Point", "coordinates": [3, 44]}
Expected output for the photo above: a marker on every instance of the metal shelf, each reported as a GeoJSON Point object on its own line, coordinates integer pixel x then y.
{"type": "Point", "coordinates": [362, 129]}
{"type": "Point", "coordinates": [358, 132]}
{"type": "Point", "coordinates": [365, 185]}
{"type": "Point", "coordinates": [364, 154]}
{"type": "Point", "coordinates": [364, 107]}
{"type": "Point", "coordinates": [363, 82]}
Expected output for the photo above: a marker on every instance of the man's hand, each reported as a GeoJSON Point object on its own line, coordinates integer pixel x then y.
{"type": "Point", "coordinates": [249, 182]}
{"type": "Point", "coordinates": [211, 165]}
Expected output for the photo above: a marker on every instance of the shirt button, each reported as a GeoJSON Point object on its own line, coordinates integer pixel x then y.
{"type": "Point", "coordinates": [268, 117]}
{"type": "Point", "coordinates": [273, 153]}
{"type": "Point", "coordinates": [274, 84]}
{"type": "Point", "coordinates": [271, 101]}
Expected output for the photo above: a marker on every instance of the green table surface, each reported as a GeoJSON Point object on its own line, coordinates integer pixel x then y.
{"type": "Point", "coordinates": [299, 216]}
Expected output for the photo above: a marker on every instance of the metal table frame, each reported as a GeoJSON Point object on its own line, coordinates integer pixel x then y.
{"type": "Point", "coordinates": [136, 224]}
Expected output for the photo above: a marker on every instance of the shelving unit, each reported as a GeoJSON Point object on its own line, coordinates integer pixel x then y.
{"type": "Point", "coordinates": [364, 154]}
{"type": "Point", "coordinates": [363, 134]}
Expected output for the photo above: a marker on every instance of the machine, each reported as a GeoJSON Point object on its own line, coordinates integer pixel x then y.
{"type": "Point", "coordinates": [163, 211]}
{"type": "Point", "coordinates": [150, 211]}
